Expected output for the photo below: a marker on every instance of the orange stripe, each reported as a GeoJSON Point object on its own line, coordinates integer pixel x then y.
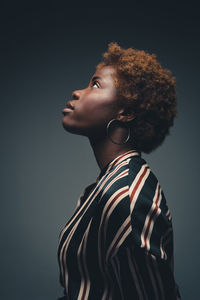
{"type": "Point", "coordinates": [138, 183]}
{"type": "Point", "coordinates": [122, 233]}
{"type": "Point", "coordinates": [121, 156]}
{"type": "Point", "coordinates": [151, 218]}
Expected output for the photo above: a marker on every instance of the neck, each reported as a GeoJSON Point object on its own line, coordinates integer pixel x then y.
{"type": "Point", "coordinates": [105, 151]}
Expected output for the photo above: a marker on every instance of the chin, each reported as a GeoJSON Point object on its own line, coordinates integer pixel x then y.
{"type": "Point", "coordinates": [67, 127]}
{"type": "Point", "coordinates": [72, 129]}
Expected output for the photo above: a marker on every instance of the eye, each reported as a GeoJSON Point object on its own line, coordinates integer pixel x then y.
{"type": "Point", "coordinates": [95, 84]}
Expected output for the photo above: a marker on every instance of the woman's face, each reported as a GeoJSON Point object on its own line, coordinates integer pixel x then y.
{"type": "Point", "coordinates": [93, 107]}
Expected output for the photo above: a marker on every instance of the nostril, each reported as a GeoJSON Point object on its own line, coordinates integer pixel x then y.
{"type": "Point", "coordinates": [75, 95]}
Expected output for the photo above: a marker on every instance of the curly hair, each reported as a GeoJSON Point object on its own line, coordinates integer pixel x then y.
{"type": "Point", "coordinates": [147, 90]}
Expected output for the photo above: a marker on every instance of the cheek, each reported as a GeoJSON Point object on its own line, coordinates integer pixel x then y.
{"type": "Point", "coordinates": [99, 116]}
{"type": "Point", "coordinates": [90, 116]}
{"type": "Point", "coordinates": [102, 110]}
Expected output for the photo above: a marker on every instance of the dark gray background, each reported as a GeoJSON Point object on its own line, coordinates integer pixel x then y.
{"type": "Point", "coordinates": [46, 53]}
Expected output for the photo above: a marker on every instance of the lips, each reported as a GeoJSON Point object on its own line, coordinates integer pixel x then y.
{"type": "Point", "coordinates": [69, 108]}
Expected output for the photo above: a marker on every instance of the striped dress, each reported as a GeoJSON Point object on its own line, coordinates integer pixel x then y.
{"type": "Point", "coordinates": [118, 245]}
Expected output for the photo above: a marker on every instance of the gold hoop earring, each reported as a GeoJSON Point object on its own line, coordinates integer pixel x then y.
{"type": "Point", "coordinates": [122, 124]}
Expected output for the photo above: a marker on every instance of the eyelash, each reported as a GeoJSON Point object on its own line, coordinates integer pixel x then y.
{"type": "Point", "coordinates": [96, 83]}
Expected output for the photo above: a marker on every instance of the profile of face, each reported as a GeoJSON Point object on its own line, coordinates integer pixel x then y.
{"type": "Point", "coordinates": [93, 107]}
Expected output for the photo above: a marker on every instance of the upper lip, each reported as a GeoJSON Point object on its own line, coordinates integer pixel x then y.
{"type": "Point", "coordinates": [69, 105]}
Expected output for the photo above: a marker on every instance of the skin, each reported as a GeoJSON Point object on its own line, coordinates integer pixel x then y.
{"type": "Point", "coordinates": [90, 111]}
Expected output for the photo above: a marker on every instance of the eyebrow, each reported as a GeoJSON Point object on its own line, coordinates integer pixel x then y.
{"type": "Point", "coordinates": [96, 77]}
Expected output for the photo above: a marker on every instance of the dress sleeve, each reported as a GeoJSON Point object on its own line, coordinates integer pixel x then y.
{"type": "Point", "coordinates": [150, 216]}
{"type": "Point", "coordinates": [142, 264]}
{"type": "Point", "coordinates": [137, 274]}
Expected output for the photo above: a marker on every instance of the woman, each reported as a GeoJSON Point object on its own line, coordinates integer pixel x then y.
{"type": "Point", "coordinates": [119, 242]}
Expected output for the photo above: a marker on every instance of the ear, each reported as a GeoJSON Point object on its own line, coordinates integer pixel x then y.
{"type": "Point", "coordinates": [125, 115]}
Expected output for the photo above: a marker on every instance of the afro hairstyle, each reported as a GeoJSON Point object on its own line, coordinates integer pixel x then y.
{"type": "Point", "coordinates": [145, 89]}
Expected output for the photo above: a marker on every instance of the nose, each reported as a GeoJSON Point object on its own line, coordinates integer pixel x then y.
{"type": "Point", "coordinates": [76, 94]}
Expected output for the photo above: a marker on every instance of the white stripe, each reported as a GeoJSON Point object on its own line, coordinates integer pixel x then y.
{"type": "Point", "coordinates": [79, 199]}
{"type": "Point", "coordinates": [65, 245]}
{"type": "Point", "coordinates": [148, 218]}
{"type": "Point", "coordinates": [153, 282]}
{"type": "Point", "coordinates": [116, 266]}
{"type": "Point", "coordinates": [168, 214]}
{"type": "Point", "coordinates": [84, 281]}
{"type": "Point", "coordinates": [67, 241]}
{"type": "Point", "coordinates": [126, 233]}
{"type": "Point", "coordinates": [163, 253]}
{"type": "Point", "coordinates": [106, 216]}
{"type": "Point", "coordinates": [63, 264]}
{"type": "Point", "coordinates": [94, 193]}
{"type": "Point", "coordinates": [78, 203]}
{"type": "Point", "coordinates": [103, 177]}
{"type": "Point", "coordinates": [133, 201]}
{"type": "Point", "coordinates": [128, 154]}
{"type": "Point", "coordinates": [151, 228]}
{"type": "Point", "coordinates": [164, 241]}
{"type": "Point", "coordinates": [134, 274]}
{"type": "Point", "coordinates": [97, 189]}
{"type": "Point", "coordinates": [76, 213]}
{"type": "Point", "coordinates": [76, 207]}
{"type": "Point", "coordinates": [158, 278]}
{"type": "Point", "coordinates": [107, 294]}
{"type": "Point", "coordinates": [102, 265]}
{"type": "Point", "coordinates": [113, 206]}
{"type": "Point", "coordinates": [121, 175]}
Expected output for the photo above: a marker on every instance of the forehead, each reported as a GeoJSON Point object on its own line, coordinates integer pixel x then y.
{"type": "Point", "coordinates": [105, 73]}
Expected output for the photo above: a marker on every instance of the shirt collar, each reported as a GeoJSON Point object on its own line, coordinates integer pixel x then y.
{"type": "Point", "coordinates": [117, 160]}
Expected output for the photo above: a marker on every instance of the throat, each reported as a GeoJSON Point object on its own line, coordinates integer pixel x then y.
{"type": "Point", "coordinates": [105, 151]}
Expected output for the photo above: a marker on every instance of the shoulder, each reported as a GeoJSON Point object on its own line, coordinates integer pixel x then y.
{"type": "Point", "coordinates": [141, 182]}
{"type": "Point", "coordinates": [132, 174]}
{"type": "Point", "coordinates": [136, 208]}
{"type": "Point", "coordinates": [150, 216]}
{"type": "Point", "coordinates": [145, 191]}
